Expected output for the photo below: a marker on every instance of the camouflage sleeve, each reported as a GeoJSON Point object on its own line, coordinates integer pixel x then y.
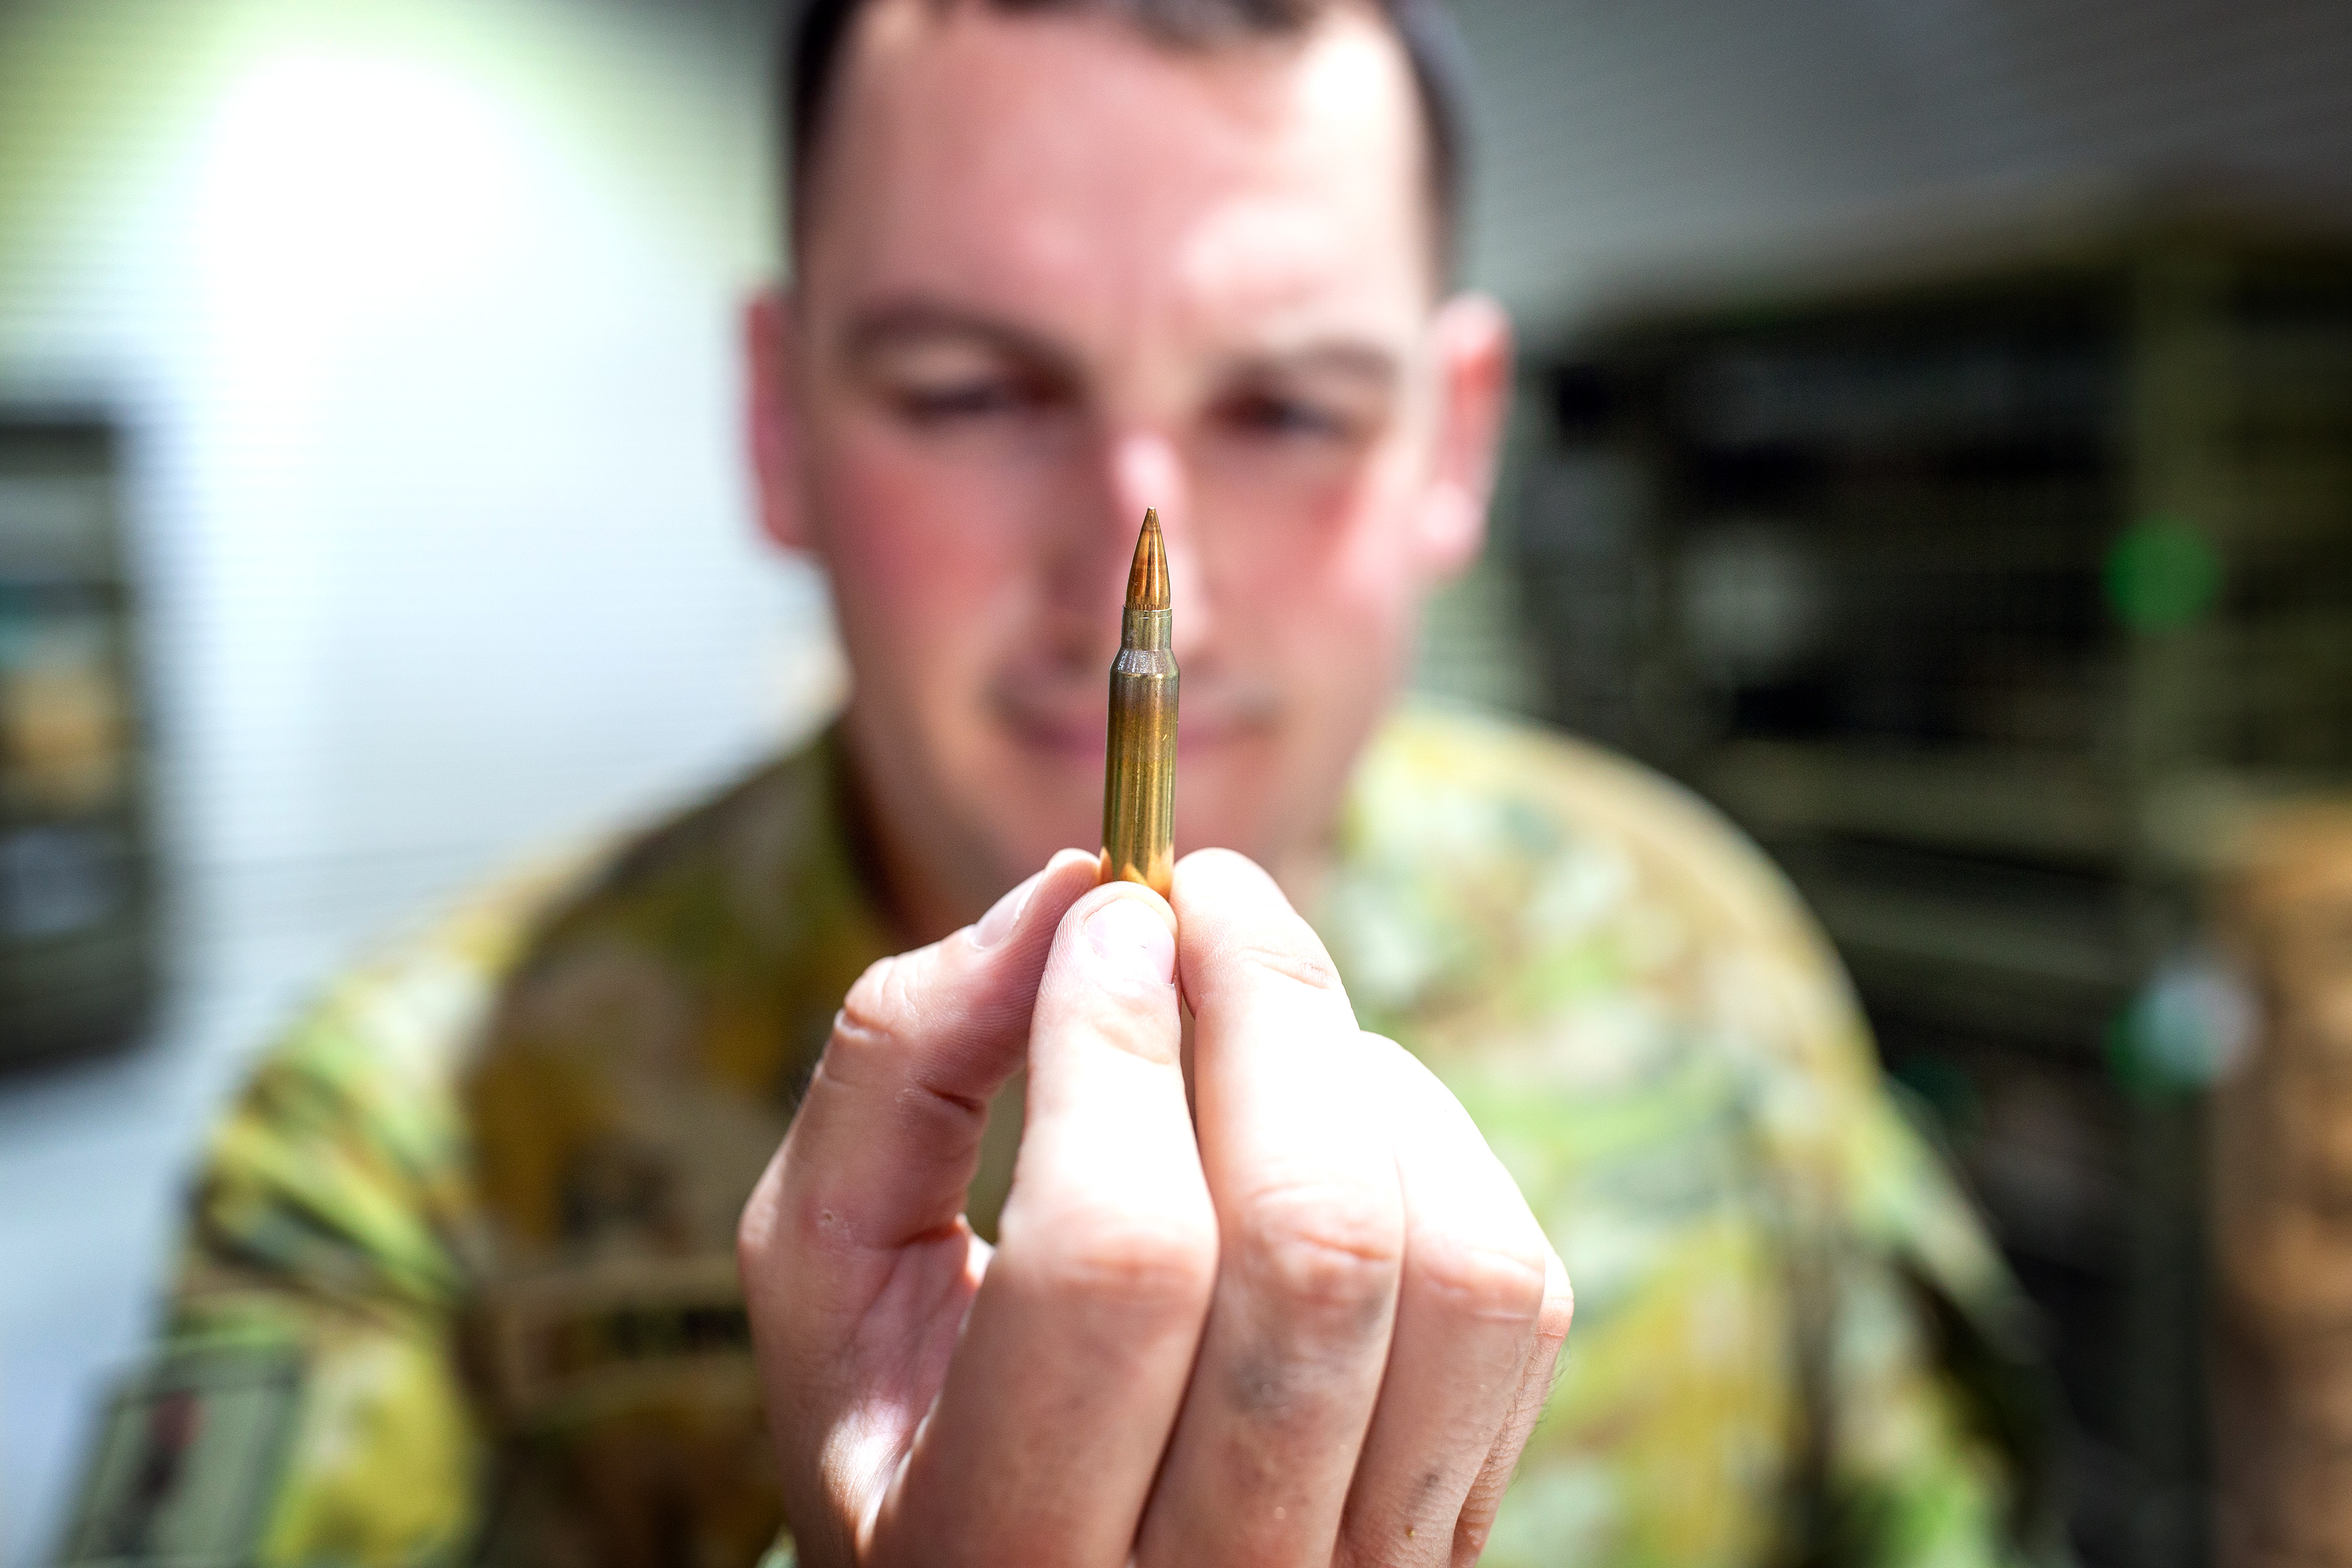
{"type": "Point", "coordinates": [1930, 1421]}
{"type": "Point", "coordinates": [323, 1224]}
{"type": "Point", "coordinates": [1933, 1425]}
{"type": "Point", "coordinates": [307, 1403]}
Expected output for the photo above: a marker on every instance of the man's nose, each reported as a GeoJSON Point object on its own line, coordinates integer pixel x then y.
{"type": "Point", "coordinates": [1147, 471]}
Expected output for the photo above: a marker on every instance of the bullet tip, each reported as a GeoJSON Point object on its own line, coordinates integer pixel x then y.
{"type": "Point", "coordinates": [1146, 581]}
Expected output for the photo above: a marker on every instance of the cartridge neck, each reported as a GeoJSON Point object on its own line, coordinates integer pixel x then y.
{"type": "Point", "coordinates": [1147, 630]}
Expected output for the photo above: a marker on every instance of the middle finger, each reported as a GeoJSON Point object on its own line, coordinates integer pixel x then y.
{"type": "Point", "coordinates": [1294, 1143]}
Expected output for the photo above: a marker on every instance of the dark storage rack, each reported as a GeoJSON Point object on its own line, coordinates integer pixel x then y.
{"type": "Point", "coordinates": [1974, 591]}
{"type": "Point", "coordinates": [78, 947]}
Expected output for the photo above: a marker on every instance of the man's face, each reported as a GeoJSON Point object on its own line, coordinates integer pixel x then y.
{"type": "Point", "coordinates": [1055, 273]}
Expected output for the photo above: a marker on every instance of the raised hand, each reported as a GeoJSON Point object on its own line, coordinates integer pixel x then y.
{"type": "Point", "coordinates": [1313, 1323]}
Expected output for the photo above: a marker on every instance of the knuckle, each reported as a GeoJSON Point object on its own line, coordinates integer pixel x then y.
{"type": "Point", "coordinates": [1323, 1245]}
{"type": "Point", "coordinates": [755, 1232]}
{"type": "Point", "coordinates": [1558, 1307]}
{"type": "Point", "coordinates": [878, 1009]}
{"type": "Point", "coordinates": [880, 1040]}
{"type": "Point", "coordinates": [1306, 966]}
{"type": "Point", "coordinates": [1141, 1031]}
{"type": "Point", "coordinates": [1486, 1279]}
{"type": "Point", "coordinates": [1150, 1266]}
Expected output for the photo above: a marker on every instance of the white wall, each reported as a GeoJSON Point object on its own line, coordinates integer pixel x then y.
{"type": "Point", "coordinates": [421, 316]}
{"type": "Point", "coordinates": [422, 313]}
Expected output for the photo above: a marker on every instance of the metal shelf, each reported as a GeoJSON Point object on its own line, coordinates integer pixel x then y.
{"type": "Point", "coordinates": [2004, 804]}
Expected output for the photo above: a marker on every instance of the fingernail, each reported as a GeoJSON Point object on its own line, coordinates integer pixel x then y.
{"type": "Point", "coordinates": [1003, 914]}
{"type": "Point", "coordinates": [1133, 940]}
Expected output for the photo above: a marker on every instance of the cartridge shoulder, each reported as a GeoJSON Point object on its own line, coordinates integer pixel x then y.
{"type": "Point", "coordinates": [1144, 664]}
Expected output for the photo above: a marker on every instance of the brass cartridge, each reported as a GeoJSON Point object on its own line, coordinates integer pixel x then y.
{"type": "Point", "coordinates": [1139, 768]}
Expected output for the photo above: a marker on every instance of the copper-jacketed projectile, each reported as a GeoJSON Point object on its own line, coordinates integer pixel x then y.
{"type": "Point", "coordinates": [1140, 771]}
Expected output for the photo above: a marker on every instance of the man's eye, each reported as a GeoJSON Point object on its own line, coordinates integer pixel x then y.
{"type": "Point", "coordinates": [1288, 417]}
{"type": "Point", "coordinates": [956, 401]}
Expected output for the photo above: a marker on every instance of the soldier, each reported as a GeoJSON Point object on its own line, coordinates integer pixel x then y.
{"type": "Point", "coordinates": [460, 1277]}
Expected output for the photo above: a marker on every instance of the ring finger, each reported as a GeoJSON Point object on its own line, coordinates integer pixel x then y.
{"type": "Point", "coordinates": [1470, 1319]}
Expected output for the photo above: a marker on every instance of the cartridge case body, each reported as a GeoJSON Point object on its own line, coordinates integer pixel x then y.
{"type": "Point", "coordinates": [1139, 771]}
{"type": "Point", "coordinates": [1140, 766]}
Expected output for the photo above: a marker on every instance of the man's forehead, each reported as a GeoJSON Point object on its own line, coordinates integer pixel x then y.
{"type": "Point", "coordinates": [981, 149]}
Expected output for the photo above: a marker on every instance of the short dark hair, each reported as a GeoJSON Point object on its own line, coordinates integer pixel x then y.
{"type": "Point", "coordinates": [813, 45]}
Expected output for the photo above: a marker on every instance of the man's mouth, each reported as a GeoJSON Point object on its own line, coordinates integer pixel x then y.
{"type": "Point", "coordinates": [1059, 720]}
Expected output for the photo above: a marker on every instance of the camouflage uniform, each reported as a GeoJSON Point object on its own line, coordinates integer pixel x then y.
{"type": "Point", "coordinates": [480, 1200]}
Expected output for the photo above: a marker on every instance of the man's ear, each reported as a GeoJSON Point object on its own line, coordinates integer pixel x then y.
{"type": "Point", "coordinates": [772, 416]}
{"type": "Point", "coordinates": [1472, 339]}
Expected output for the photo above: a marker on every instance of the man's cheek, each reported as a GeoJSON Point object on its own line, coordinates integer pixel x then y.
{"type": "Point", "coordinates": [886, 542]}
{"type": "Point", "coordinates": [911, 573]}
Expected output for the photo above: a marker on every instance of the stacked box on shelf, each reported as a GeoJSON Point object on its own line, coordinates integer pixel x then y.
{"type": "Point", "coordinates": [1944, 583]}
{"type": "Point", "coordinates": [77, 932]}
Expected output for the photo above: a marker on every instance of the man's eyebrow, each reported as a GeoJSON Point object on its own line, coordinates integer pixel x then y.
{"type": "Point", "coordinates": [1342, 359]}
{"type": "Point", "coordinates": [922, 322]}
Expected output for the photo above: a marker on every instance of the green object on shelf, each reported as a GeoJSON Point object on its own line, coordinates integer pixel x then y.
{"type": "Point", "coordinates": [2162, 573]}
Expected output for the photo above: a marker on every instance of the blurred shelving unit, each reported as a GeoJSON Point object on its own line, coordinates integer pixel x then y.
{"type": "Point", "coordinates": [1969, 585]}
{"type": "Point", "coordinates": [78, 951]}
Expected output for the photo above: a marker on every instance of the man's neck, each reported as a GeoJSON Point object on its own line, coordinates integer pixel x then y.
{"type": "Point", "coordinates": [895, 875]}
{"type": "Point", "coordinates": [923, 891]}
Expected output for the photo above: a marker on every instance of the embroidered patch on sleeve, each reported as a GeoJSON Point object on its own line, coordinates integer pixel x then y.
{"type": "Point", "coordinates": [186, 1461]}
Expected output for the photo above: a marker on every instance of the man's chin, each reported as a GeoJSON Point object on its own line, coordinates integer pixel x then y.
{"type": "Point", "coordinates": [1053, 780]}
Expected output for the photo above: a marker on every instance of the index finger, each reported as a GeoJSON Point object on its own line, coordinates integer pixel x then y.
{"type": "Point", "coordinates": [861, 1207]}
{"type": "Point", "coordinates": [887, 1136]}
